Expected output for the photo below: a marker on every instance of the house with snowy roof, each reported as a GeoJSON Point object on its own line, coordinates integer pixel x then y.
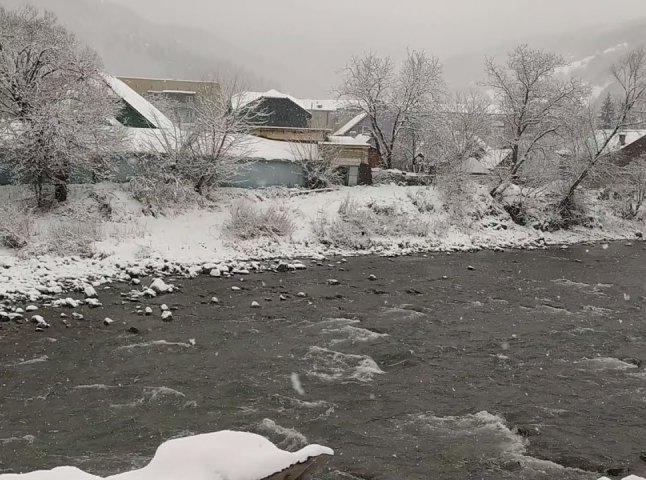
{"type": "Point", "coordinates": [137, 112]}
{"type": "Point", "coordinates": [626, 145]}
{"type": "Point", "coordinates": [279, 109]}
{"type": "Point", "coordinates": [182, 93]}
{"type": "Point", "coordinates": [279, 116]}
{"type": "Point", "coordinates": [329, 114]}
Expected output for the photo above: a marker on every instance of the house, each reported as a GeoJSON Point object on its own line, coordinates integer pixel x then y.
{"type": "Point", "coordinates": [351, 154]}
{"type": "Point", "coordinates": [137, 112]}
{"type": "Point", "coordinates": [270, 163]}
{"type": "Point", "coordinates": [181, 90]}
{"type": "Point", "coordinates": [277, 110]}
{"type": "Point", "coordinates": [183, 94]}
{"type": "Point", "coordinates": [628, 145]}
{"type": "Point", "coordinates": [290, 134]}
{"type": "Point", "coordinates": [358, 124]}
{"type": "Point", "coordinates": [329, 114]}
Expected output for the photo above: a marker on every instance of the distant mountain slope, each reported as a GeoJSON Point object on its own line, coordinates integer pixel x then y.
{"type": "Point", "coordinates": [130, 45]}
{"type": "Point", "coordinates": [590, 52]}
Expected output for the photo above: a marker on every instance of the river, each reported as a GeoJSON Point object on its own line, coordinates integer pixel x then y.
{"type": "Point", "coordinates": [489, 365]}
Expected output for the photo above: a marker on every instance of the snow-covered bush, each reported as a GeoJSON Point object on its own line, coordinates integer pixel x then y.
{"type": "Point", "coordinates": [425, 199]}
{"type": "Point", "coordinates": [15, 225]}
{"type": "Point", "coordinates": [629, 192]}
{"type": "Point", "coordinates": [162, 193]}
{"type": "Point", "coordinates": [360, 226]}
{"type": "Point", "coordinates": [248, 221]}
{"type": "Point", "coordinates": [341, 234]}
{"type": "Point", "coordinates": [398, 177]}
{"type": "Point", "coordinates": [318, 165]}
{"type": "Point", "coordinates": [456, 191]}
{"type": "Point", "coordinates": [71, 237]}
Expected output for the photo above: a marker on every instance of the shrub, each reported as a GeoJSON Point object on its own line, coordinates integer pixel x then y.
{"type": "Point", "coordinates": [342, 234]}
{"type": "Point", "coordinates": [70, 237]}
{"type": "Point", "coordinates": [247, 221]}
{"type": "Point", "coordinates": [359, 226]}
{"type": "Point", "coordinates": [163, 193]}
{"type": "Point", "coordinates": [424, 199]}
{"type": "Point", "coordinates": [15, 225]}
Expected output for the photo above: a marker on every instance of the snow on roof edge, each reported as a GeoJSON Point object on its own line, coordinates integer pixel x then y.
{"type": "Point", "coordinates": [136, 101]}
{"type": "Point", "coordinates": [348, 126]}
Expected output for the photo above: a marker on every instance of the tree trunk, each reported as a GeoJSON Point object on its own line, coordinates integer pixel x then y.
{"type": "Point", "coordinates": [62, 179]}
{"type": "Point", "coordinates": [60, 192]}
{"type": "Point", "coordinates": [388, 160]}
{"type": "Point", "coordinates": [567, 200]}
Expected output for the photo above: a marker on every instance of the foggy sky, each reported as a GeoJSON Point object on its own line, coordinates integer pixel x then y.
{"type": "Point", "coordinates": [445, 26]}
{"type": "Point", "coordinates": [297, 35]}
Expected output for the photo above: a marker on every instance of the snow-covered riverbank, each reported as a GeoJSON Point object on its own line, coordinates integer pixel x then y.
{"type": "Point", "coordinates": [126, 242]}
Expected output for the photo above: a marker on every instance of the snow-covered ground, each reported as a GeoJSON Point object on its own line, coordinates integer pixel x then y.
{"type": "Point", "coordinates": [224, 455]}
{"type": "Point", "coordinates": [126, 243]}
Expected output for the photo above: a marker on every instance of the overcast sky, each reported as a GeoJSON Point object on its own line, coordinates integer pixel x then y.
{"type": "Point", "coordinates": [331, 30]}
{"type": "Point", "coordinates": [445, 26]}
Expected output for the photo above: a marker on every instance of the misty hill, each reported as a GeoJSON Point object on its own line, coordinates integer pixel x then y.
{"type": "Point", "coordinates": [131, 45]}
{"type": "Point", "coordinates": [590, 52]}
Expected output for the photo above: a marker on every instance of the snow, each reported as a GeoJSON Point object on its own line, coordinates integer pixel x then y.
{"type": "Point", "coordinates": [224, 455]}
{"type": "Point", "coordinates": [328, 105]}
{"type": "Point", "coordinates": [159, 286]}
{"type": "Point", "coordinates": [149, 140]}
{"type": "Point", "coordinates": [182, 244]}
{"type": "Point", "coordinates": [347, 128]}
{"type": "Point", "coordinates": [39, 321]}
{"type": "Point", "coordinates": [90, 292]}
{"type": "Point", "coordinates": [359, 140]}
{"type": "Point", "coordinates": [139, 103]}
{"type": "Point", "coordinates": [493, 157]}
{"type": "Point", "coordinates": [59, 473]}
{"type": "Point", "coordinates": [629, 477]}
{"type": "Point", "coordinates": [473, 167]}
{"type": "Point", "coordinates": [614, 145]}
{"type": "Point", "coordinates": [266, 149]}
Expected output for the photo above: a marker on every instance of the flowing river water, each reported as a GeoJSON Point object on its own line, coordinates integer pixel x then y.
{"type": "Point", "coordinates": [489, 365]}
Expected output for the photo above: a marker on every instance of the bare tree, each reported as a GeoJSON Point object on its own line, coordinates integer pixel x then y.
{"type": "Point", "coordinates": [54, 107]}
{"type": "Point", "coordinates": [214, 145]}
{"type": "Point", "coordinates": [591, 146]}
{"type": "Point", "coordinates": [459, 131]}
{"type": "Point", "coordinates": [391, 98]}
{"type": "Point", "coordinates": [532, 102]}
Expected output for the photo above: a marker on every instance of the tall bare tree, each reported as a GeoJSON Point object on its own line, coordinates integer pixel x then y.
{"type": "Point", "coordinates": [532, 102]}
{"type": "Point", "coordinates": [590, 147]}
{"type": "Point", "coordinates": [54, 106]}
{"type": "Point", "coordinates": [391, 97]}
